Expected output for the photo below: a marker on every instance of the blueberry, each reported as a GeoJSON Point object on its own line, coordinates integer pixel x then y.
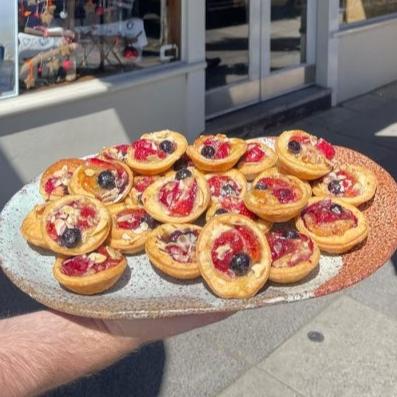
{"type": "Point", "coordinates": [294, 147]}
{"type": "Point", "coordinates": [106, 180]}
{"type": "Point", "coordinates": [336, 209]}
{"type": "Point", "coordinates": [221, 211]}
{"type": "Point", "coordinates": [150, 221]}
{"type": "Point", "coordinates": [290, 234]}
{"type": "Point", "coordinates": [227, 190]}
{"type": "Point", "coordinates": [208, 152]}
{"type": "Point", "coordinates": [334, 187]}
{"type": "Point", "coordinates": [175, 235]}
{"type": "Point", "coordinates": [240, 264]}
{"type": "Point", "coordinates": [182, 174]}
{"type": "Point", "coordinates": [71, 238]}
{"type": "Point", "coordinates": [261, 186]}
{"type": "Point", "coordinates": [180, 164]}
{"type": "Point", "coordinates": [167, 146]}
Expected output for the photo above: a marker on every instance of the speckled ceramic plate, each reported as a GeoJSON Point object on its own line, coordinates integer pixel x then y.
{"type": "Point", "coordinates": [144, 293]}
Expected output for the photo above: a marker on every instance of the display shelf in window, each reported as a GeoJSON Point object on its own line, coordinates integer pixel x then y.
{"type": "Point", "coordinates": [61, 41]}
{"type": "Point", "coordinates": [352, 11]}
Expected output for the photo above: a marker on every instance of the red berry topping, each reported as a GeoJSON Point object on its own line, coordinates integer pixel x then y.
{"type": "Point", "coordinates": [179, 203]}
{"type": "Point", "coordinates": [300, 138]}
{"type": "Point", "coordinates": [49, 186]}
{"type": "Point", "coordinates": [142, 182]}
{"type": "Point", "coordinates": [224, 248]}
{"type": "Point", "coordinates": [254, 153]}
{"type": "Point", "coordinates": [222, 151]}
{"type": "Point", "coordinates": [130, 219]}
{"type": "Point", "coordinates": [251, 243]}
{"type": "Point", "coordinates": [76, 266]}
{"type": "Point", "coordinates": [50, 228]}
{"type": "Point", "coordinates": [281, 189]}
{"type": "Point", "coordinates": [223, 186]}
{"type": "Point", "coordinates": [143, 148]}
{"type": "Point", "coordinates": [326, 148]}
{"type": "Point", "coordinates": [326, 211]}
{"type": "Point", "coordinates": [236, 206]}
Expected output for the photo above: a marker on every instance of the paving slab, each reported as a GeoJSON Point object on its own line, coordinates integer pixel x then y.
{"type": "Point", "coordinates": [356, 357]}
{"type": "Point", "coordinates": [365, 103]}
{"type": "Point", "coordinates": [257, 383]}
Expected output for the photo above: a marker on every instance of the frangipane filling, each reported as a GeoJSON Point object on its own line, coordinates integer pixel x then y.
{"type": "Point", "coordinates": [289, 248]}
{"type": "Point", "coordinates": [326, 218]}
{"type": "Point", "coordinates": [86, 265]}
{"type": "Point", "coordinates": [180, 245]}
{"type": "Point", "coordinates": [235, 251]}
{"type": "Point", "coordinates": [67, 224]}
{"type": "Point", "coordinates": [277, 190]}
{"type": "Point", "coordinates": [152, 149]}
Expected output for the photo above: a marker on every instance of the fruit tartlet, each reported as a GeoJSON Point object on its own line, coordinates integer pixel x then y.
{"type": "Point", "coordinates": [154, 153]}
{"type": "Point", "coordinates": [141, 182]}
{"type": "Point", "coordinates": [107, 181]}
{"type": "Point", "coordinates": [294, 255]}
{"type": "Point", "coordinates": [171, 248]}
{"type": "Point", "coordinates": [90, 274]}
{"type": "Point", "coordinates": [131, 226]}
{"type": "Point", "coordinates": [277, 197]}
{"type": "Point", "coordinates": [55, 180]}
{"type": "Point", "coordinates": [216, 153]}
{"type": "Point", "coordinates": [351, 183]}
{"type": "Point", "coordinates": [233, 256]}
{"type": "Point", "coordinates": [257, 158]}
{"type": "Point", "coordinates": [75, 225]}
{"type": "Point", "coordinates": [231, 183]}
{"type": "Point", "coordinates": [333, 224]}
{"type": "Point", "coordinates": [178, 197]}
{"type": "Point", "coordinates": [115, 152]}
{"type": "Point", "coordinates": [303, 155]}
{"type": "Point", "coordinates": [31, 226]}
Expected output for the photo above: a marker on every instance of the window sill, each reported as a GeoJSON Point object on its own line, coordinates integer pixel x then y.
{"type": "Point", "coordinates": [88, 89]}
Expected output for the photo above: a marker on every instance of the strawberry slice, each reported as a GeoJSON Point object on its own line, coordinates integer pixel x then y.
{"type": "Point", "coordinates": [254, 153]}
{"type": "Point", "coordinates": [326, 148]}
{"type": "Point", "coordinates": [222, 150]}
{"type": "Point", "coordinates": [224, 248]}
{"type": "Point", "coordinates": [251, 243]}
{"type": "Point", "coordinates": [183, 207]}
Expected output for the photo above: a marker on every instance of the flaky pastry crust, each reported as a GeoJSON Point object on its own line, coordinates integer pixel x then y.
{"type": "Point", "coordinates": [337, 244]}
{"type": "Point", "coordinates": [84, 181]}
{"type": "Point", "coordinates": [269, 209]}
{"type": "Point", "coordinates": [365, 184]}
{"type": "Point", "coordinates": [31, 227]}
{"type": "Point", "coordinates": [92, 284]}
{"type": "Point", "coordinates": [125, 240]}
{"type": "Point", "coordinates": [293, 165]}
{"type": "Point", "coordinates": [156, 166]}
{"type": "Point", "coordinates": [252, 169]}
{"type": "Point", "coordinates": [55, 179]}
{"type": "Point", "coordinates": [92, 238]}
{"type": "Point", "coordinates": [237, 149]}
{"type": "Point", "coordinates": [159, 212]}
{"type": "Point", "coordinates": [164, 261]}
{"type": "Point", "coordinates": [221, 283]}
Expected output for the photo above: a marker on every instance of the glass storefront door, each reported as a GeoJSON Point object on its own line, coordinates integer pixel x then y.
{"type": "Point", "coordinates": [256, 49]}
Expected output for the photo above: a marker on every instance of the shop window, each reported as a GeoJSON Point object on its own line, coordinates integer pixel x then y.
{"type": "Point", "coordinates": [362, 10]}
{"type": "Point", "coordinates": [62, 41]}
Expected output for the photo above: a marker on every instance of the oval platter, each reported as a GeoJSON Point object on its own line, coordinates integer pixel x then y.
{"type": "Point", "coordinates": [144, 293]}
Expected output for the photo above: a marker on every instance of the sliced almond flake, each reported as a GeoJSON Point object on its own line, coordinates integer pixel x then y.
{"type": "Point", "coordinates": [60, 226]}
{"type": "Point", "coordinates": [113, 253]}
{"type": "Point", "coordinates": [126, 236]}
{"type": "Point", "coordinates": [89, 172]}
{"type": "Point", "coordinates": [257, 269]}
{"type": "Point", "coordinates": [97, 258]}
{"type": "Point", "coordinates": [222, 250]}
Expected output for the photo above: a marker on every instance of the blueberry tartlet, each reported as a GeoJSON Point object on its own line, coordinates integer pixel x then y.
{"type": "Point", "coordinates": [171, 248]}
{"type": "Point", "coordinates": [334, 225]}
{"type": "Point", "coordinates": [227, 184]}
{"type": "Point", "coordinates": [304, 155]}
{"type": "Point", "coordinates": [154, 153]}
{"type": "Point", "coordinates": [233, 256]}
{"type": "Point", "coordinates": [92, 273]}
{"type": "Point", "coordinates": [115, 152]}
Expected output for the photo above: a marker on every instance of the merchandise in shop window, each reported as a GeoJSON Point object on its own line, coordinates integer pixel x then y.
{"type": "Point", "coordinates": [65, 40]}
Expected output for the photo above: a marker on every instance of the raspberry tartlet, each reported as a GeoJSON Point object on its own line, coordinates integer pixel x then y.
{"type": "Point", "coordinates": [115, 152]}
{"type": "Point", "coordinates": [107, 181]}
{"type": "Point", "coordinates": [294, 255]}
{"type": "Point", "coordinates": [92, 273]}
{"type": "Point", "coordinates": [75, 225]}
{"type": "Point", "coordinates": [257, 158]}
{"type": "Point", "coordinates": [233, 256]}
{"type": "Point", "coordinates": [277, 197]}
{"type": "Point", "coordinates": [171, 248]}
{"type": "Point", "coordinates": [351, 183]}
{"type": "Point", "coordinates": [303, 155]}
{"type": "Point", "coordinates": [333, 224]}
{"type": "Point", "coordinates": [31, 226]}
{"type": "Point", "coordinates": [216, 153]}
{"type": "Point", "coordinates": [178, 197]}
{"type": "Point", "coordinates": [55, 180]}
{"type": "Point", "coordinates": [154, 153]}
{"type": "Point", "coordinates": [141, 182]}
{"type": "Point", "coordinates": [231, 183]}
{"type": "Point", "coordinates": [131, 226]}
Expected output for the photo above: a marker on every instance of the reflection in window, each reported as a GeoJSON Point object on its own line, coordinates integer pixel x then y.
{"type": "Point", "coordinates": [361, 10]}
{"type": "Point", "coordinates": [61, 41]}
